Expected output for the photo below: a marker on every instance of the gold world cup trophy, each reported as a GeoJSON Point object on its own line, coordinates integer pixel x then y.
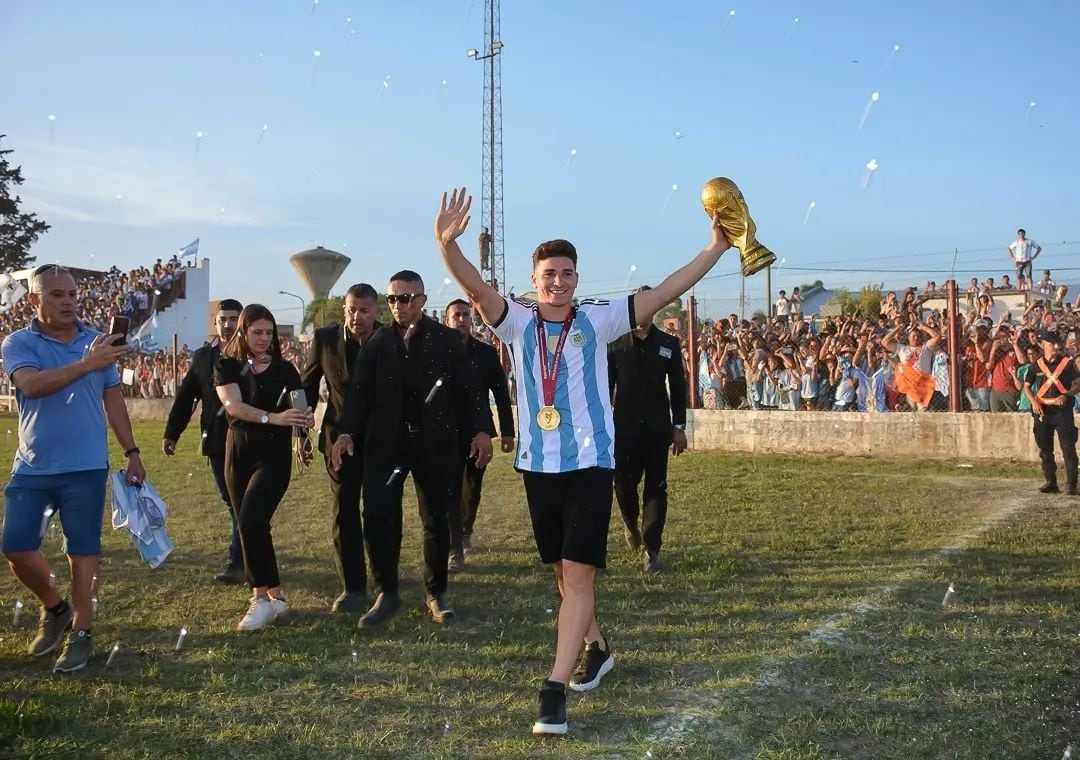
{"type": "Point", "coordinates": [722, 196]}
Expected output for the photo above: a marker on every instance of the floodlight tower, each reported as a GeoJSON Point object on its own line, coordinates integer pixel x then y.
{"type": "Point", "coordinates": [493, 265]}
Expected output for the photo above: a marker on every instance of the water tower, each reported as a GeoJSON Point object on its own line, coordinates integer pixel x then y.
{"type": "Point", "coordinates": [320, 268]}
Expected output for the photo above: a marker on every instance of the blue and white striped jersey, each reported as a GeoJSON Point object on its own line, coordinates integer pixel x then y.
{"type": "Point", "coordinates": [586, 434]}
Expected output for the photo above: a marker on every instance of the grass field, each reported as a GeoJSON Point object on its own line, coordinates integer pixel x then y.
{"type": "Point", "coordinates": [800, 617]}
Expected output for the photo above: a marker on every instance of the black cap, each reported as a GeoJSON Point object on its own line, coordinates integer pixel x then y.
{"type": "Point", "coordinates": [1049, 336]}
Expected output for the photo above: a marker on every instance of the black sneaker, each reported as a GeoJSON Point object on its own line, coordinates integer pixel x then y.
{"type": "Point", "coordinates": [1049, 487]}
{"type": "Point", "coordinates": [652, 562]}
{"type": "Point", "coordinates": [595, 663]}
{"type": "Point", "coordinates": [51, 630]}
{"type": "Point", "coordinates": [552, 720]}
{"type": "Point", "coordinates": [233, 574]}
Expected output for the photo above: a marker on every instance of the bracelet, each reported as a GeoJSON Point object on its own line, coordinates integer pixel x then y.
{"type": "Point", "coordinates": [132, 450]}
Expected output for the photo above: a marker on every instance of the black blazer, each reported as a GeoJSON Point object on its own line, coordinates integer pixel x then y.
{"type": "Point", "coordinates": [489, 371]}
{"type": "Point", "coordinates": [198, 385]}
{"type": "Point", "coordinates": [637, 371]}
{"type": "Point", "coordinates": [328, 358]}
{"type": "Point", "coordinates": [389, 388]}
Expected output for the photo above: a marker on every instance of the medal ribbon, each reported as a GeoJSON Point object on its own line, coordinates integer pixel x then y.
{"type": "Point", "coordinates": [549, 374]}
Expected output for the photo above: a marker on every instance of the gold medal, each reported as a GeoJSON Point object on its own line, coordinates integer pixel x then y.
{"type": "Point", "coordinates": [548, 418]}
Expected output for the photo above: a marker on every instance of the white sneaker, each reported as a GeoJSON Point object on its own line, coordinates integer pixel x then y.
{"type": "Point", "coordinates": [260, 612]}
{"type": "Point", "coordinates": [280, 606]}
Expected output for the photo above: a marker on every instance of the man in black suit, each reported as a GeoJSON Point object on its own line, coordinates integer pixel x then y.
{"type": "Point", "coordinates": [642, 368]}
{"type": "Point", "coordinates": [198, 386]}
{"type": "Point", "coordinates": [417, 404]}
{"type": "Point", "coordinates": [332, 356]}
{"type": "Point", "coordinates": [489, 372]}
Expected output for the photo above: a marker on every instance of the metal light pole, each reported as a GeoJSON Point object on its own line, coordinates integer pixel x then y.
{"type": "Point", "coordinates": [492, 197]}
{"type": "Point", "coordinates": [303, 306]}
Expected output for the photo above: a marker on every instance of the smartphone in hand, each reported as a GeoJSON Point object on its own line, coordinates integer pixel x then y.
{"type": "Point", "coordinates": [119, 325]}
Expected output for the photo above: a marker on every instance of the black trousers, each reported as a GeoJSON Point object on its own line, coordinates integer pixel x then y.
{"type": "Point", "coordinates": [257, 472]}
{"type": "Point", "coordinates": [348, 524]}
{"type": "Point", "coordinates": [1063, 423]}
{"type": "Point", "coordinates": [643, 454]}
{"type": "Point", "coordinates": [437, 479]}
{"type": "Point", "coordinates": [463, 519]}
{"type": "Point", "coordinates": [217, 467]}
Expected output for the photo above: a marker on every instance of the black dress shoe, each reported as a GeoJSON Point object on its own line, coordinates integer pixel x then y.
{"type": "Point", "coordinates": [231, 574]}
{"type": "Point", "coordinates": [385, 607]}
{"type": "Point", "coordinates": [1049, 488]}
{"type": "Point", "coordinates": [440, 609]}
{"type": "Point", "coordinates": [350, 601]}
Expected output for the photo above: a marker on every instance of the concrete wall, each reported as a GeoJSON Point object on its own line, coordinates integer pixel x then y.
{"type": "Point", "coordinates": [966, 437]}
{"type": "Point", "coordinates": [926, 436]}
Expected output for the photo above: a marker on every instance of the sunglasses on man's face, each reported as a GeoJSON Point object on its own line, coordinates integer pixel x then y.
{"type": "Point", "coordinates": [404, 298]}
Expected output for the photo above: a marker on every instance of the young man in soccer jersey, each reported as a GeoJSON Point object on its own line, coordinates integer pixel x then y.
{"type": "Point", "coordinates": [565, 428]}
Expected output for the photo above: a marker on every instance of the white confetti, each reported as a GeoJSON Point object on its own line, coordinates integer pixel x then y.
{"type": "Point", "coordinates": [112, 654]}
{"type": "Point", "coordinates": [180, 639]}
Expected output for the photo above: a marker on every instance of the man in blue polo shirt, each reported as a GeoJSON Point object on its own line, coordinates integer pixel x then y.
{"type": "Point", "coordinates": [66, 387]}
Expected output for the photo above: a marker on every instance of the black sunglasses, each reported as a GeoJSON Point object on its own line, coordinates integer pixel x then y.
{"type": "Point", "coordinates": [404, 298]}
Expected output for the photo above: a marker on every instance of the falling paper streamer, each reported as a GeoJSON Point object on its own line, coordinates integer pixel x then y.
{"type": "Point", "coordinates": [18, 611]}
{"type": "Point", "coordinates": [385, 87]}
{"type": "Point", "coordinates": [354, 657]}
{"type": "Point", "coordinates": [892, 54]}
{"type": "Point", "coordinates": [874, 97]}
{"type": "Point", "coordinates": [262, 133]}
{"type": "Point", "coordinates": [393, 476]}
{"type": "Point", "coordinates": [809, 213]}
{"type": "Point", "coordinates": [791, 29]}
{"type": "Point", "coordinates": [731, 15]}
{"type": "Point", "coordinates": [570, 159]}
{"type": "Point", "coordinates": [221, 215]}
{"type": "Point", "coordinates": [316, 55]}
{"type": "Point", "coordinates": [443, 287]}
{"type": "Point", "coordinates": [45, 518]}
{"type": "Point", "coordinates": [69, 398]}
{"type": "Point", "coordinates": [349, 35]}
{"type": "Point", "coordinates": [629, 274]}
{"type": "Point", "coordinates": [112, 654]}
{"type": "Point", "coordinates": [314, 7]}
{"type": "Point", "coordinates": [446, 729]}
{"type": "Point", "coordinates": [198, 141]}
{"type": "Point", "coordinates": [433, 391]}
{"type": "Point", "coordinates": [667, 200]}
{"type": "Point", "coordinates": [1068, 753]}
{"type": "Point", "coordinates": [52, 128]}
{"type": "Point", "coordinates": [1030, 108]}
{"type": "Point", "coordinates": [180, 639]}
{"type": "Point", "coordinates": [678, 136]}
{"type": "Point", "coordinates": [871, 167]}
{"type": "Point", "coordinates": [947, 600]}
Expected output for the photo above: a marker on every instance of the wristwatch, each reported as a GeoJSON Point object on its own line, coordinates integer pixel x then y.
{"type": "Point", "coordinates": [264, 419]}
{"type": "Point", "coordinates": [679, 427]}
{"type": "Point", "coordinates": [132, 450]}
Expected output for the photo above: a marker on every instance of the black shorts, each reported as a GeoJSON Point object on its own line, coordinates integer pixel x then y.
{"type": "Point", "coordinates": [570, 514]}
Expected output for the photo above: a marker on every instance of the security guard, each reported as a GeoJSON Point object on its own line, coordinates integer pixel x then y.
{"type": "Point", "coordinates": [647, 421]}
{"type": "Point", "coordinates": [1050, 386]}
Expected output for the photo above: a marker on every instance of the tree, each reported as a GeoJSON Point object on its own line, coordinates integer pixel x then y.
{"type": "Point", "coordinates": [867, 303]}
{"type": "Point", "coordinates": [18, 231]}
{"type": "Point", "coordinates": [323, 311]}
{"type": "Point", "coordinates": [673, 309]}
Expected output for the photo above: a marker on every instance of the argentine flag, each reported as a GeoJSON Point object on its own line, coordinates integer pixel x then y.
{"type": "Point", "coordinates": [189, 252]}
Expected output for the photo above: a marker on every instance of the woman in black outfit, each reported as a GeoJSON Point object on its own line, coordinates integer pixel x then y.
{"type": "Point", "coordinates": [253, 382]}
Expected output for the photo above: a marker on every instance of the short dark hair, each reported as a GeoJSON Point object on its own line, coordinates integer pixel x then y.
{"type": "Point", "coordinates": [457, 302]}
{"type": "Point", "coordinates": [554, 248]}
{"type": "Point", "coordinates": [407, 275]}
{"type": "Point", "coordinates": [229, 304]}
{"type": "Point", "coordinates": [362, 290]}
{"type": "Point", "coordinates": [1021, 230]}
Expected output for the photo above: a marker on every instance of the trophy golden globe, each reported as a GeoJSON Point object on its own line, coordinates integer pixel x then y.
{"type": "Point", "coordinates": [722, 196]}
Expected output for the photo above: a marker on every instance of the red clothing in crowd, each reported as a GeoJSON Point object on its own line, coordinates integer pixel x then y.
{"type": "Point", "coordinates": [1001, 377]}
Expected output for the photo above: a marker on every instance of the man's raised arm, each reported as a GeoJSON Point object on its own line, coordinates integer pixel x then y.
{"type": "Point", "coordinates": [450, 223]}
{"type": "Point", "coordinates": [648, 302]}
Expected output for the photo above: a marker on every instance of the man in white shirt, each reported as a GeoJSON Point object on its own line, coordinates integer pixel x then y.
{"type": "Point", "coordinates": [1022, 252]}
{"type": "Point", "coordinates": [566, 433]}
{"type": "Point", "coordinates": [1046, 285]}
{"type": "Point", "coordinates": [782, 307]}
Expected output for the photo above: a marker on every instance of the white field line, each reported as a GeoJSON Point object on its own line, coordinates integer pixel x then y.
{"type": "Point", "coordinates": [682, 722]}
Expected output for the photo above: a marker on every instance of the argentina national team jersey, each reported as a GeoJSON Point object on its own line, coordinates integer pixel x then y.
{"type": "Point", "coordinates": [586, 433]}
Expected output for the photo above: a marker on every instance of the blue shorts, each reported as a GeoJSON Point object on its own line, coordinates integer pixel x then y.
{"type": "Point", "coordinates": [79, 498]}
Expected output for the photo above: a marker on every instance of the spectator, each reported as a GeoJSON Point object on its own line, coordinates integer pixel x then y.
{"type": "Point", "coordinates": [1005, 283]}
{"type": "Point", "coordinates": [976, 357]}
{"type": "Point", "coordinates": [782, 307]}
{"type": "Point", "coordinates": [796, 301]}
{"type": "Point", "coordinates": [1023, 252]}
{"type": "Point", "coordinates": [1005, 357]}
{"type": "Point", "coordinates": [1046, 285]}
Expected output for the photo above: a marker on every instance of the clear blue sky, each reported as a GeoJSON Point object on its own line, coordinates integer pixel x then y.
{"type": "Point", "coordinates": [772, 104]}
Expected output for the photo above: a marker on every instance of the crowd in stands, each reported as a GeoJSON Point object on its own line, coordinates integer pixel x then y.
{"type": "Point", "coordinates": [896, 360]}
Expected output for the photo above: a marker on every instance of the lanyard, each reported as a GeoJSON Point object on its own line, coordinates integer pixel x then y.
{"type": "Point", "coordinates": [550, 373]}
